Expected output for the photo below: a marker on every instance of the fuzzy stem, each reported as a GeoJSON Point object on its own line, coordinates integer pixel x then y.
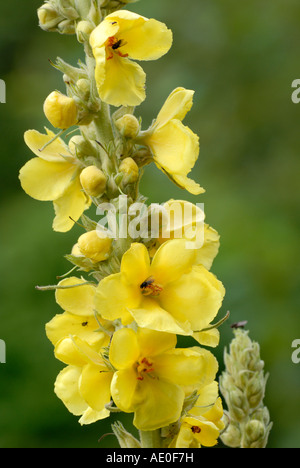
{"type": "Point", "coordinates": [150, 439]}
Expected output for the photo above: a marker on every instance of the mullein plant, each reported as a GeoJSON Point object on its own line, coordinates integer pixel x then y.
{"type": "Point", "coordinates": [126, 301]}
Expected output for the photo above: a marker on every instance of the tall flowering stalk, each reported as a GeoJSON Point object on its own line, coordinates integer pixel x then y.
{"type": "Point", "coordinates": [127, 298]}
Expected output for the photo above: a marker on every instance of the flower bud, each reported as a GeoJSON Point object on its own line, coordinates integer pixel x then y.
{"type": "Point", "coordinates": [232, 436]}
{"type": "Point", "coordinates": [93, 181]}
{"type": "Point", "coordinates": [95, 245]}
{"type": "Point", "coordinates": [83, 31]}
{"type": "Point", "coordinates": [49, 18]}
{"type": "Point", "coordinates": [254, 435]}
{"type": "Point", "coordinates": [128, 126]}
{"type": "Point", "coordinates": [66, 27]}
{"type": "Point", "coordinates": [125, 439]}
{"type": "Point", "coordinates": [130, 171]}
{"type": "Point", "coordinates": [81, 147]}
{"type": "Point", "coordinates": [83, 86]}
{"type": "Point", "coordinates": [60, 110]}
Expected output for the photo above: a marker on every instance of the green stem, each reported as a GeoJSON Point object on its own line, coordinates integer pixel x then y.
{"type": "Point", "coordinates": [150, 439]}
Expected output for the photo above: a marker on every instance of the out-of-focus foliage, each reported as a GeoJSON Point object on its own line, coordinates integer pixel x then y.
{"type": "Point", "coordinates": [241, 59]}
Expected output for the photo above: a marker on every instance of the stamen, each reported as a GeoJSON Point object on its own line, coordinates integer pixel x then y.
{"type": "Point", "coordinates": [196, 429]}
{"type": "Point", "coordinates": [113, 45]}
{"type": "Point", "coordinates": [144, 367]}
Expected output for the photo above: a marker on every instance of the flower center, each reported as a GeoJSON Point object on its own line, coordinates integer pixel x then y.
{"type": "Point", "coordinates": [196, 430]}
{"type": "Point", "coordinates": [113, 44]}
{"type": "Point", "coordinates": [144, 367]}
{"type": "Point", "coordinates": [150, 288]}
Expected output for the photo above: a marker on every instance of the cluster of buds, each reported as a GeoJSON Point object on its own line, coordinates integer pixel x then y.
{"type": "Point", "coordinates": [243, 385]}
{"type": "Point", "coordinates": [76, 16]}
{"type": "Point", "coordinates": [58, 16]}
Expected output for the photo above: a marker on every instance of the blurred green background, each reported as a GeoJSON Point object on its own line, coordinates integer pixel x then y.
{"type": "Point", "coordinates": [240, 58]}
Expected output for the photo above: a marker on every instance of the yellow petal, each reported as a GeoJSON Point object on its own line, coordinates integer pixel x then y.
{"type": "Point", "coordinates": [74, 351]}
{"type": "Point", "coordinates": [146, 39]}
{"type": "Point", "coordinates": [114, 297]}
{"type": "Point", "coordinates": [185, 437]}
{"type": "Point", "coordinates": [124, 390]}
{"type": "Point", "coordinates": [95, 386]}
{"type": "Point", "coordinates": [86, 327]}
{"type": "Point", "coordinates": [46, 181]}
{"type": "Point", "coordinates": [151, 315]}
{"type": "Point", "coordinates": [178, 104]}
{"type": "Point", "coordinates": [207, 398]}
{"type": "Point", "coordinates": [208, 338]}
{"type": "Point", "coordinates": [56, 151]}
{"type": "Point", "coordinates": [106, 29]}
{"type": "Point", "coordinates": [135, 266]}
{"type": "Point", "coordinates": [208, 434]}
{"type": "Point", "coordinates": [76, 300]}
{"type": "Point", "coordinates": [124, 349]}
{"type": "Point", "coordinates": [186, 183]}
{"type": "Point", "coordinates": [160, 404]}
{"type": "Point", "coordinates": [67, 352]}
{"type": "Point", "coordinates": [124, 82]}
{"type": "Point", "coordinates": [70, 207]}
{"type": "Point", "coordinates": [175, 147]}
{"type": "Point", "coordinates": [153, 343]}
{"type": "Point", "coordinates": [197, 294]}
{"type": "Point", "coordinates": [184, 367]}
{"type": "Point", "coordinates": [67, 389]}
{"type": "Point", "coordinates": [208, 252]}
{"type": "Point", "coordinates": [172, 260]}
{"type": "Point", "coordinates": [90, 416]}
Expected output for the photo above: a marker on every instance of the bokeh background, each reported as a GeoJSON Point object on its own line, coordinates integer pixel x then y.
{"type": "Point", "coordinates": [240, 58]}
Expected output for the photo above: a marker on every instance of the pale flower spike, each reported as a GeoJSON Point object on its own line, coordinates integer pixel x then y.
{"type": "Point", "coordinates": [129, 298]}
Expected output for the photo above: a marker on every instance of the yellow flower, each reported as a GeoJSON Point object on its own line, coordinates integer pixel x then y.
{"type": "Point", "coordinates": [84, 385]}
{"type": "Point", "coordinates": [171, 294]}
{"type": "Point", "coordinates": [95, 245]}
{"type": "Point", "coordinates": [54, 176]}
{"type": "Point", "coordinates": [123, 36]}
{"type": "Point", "coordinates": [174, 146]}
{"type": "Point", "coordinates": [202, 425]}
{"type": "Point", "coordinates": [151, 375]}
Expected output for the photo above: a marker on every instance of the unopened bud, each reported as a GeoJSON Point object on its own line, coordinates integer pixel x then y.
{"type": "Point", "coordinates": [49, 18]}
{"type": "Point", "coordinates": [93, 181]}
{"type": "Point", "coordinates": [254, 435]}
{"type": "Point", "coordinates": [84, 87]}
{"type": "Point", "coordinates": [232, 436]}
{"type": "Point", "coordinates": [83, 31]}
{"type": "Point", "coordinates": [66, 27]}
{"type": "Point", "coordinates": [60, 110]}
{"type": "Point", "coordinates": [95, 245]}
{"type": "Point", "coordinates": [125, 439]}
{"type": "Point", "coordinates": [129, 170]}
{"type": "Point", "coordinates": [128, 126]}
